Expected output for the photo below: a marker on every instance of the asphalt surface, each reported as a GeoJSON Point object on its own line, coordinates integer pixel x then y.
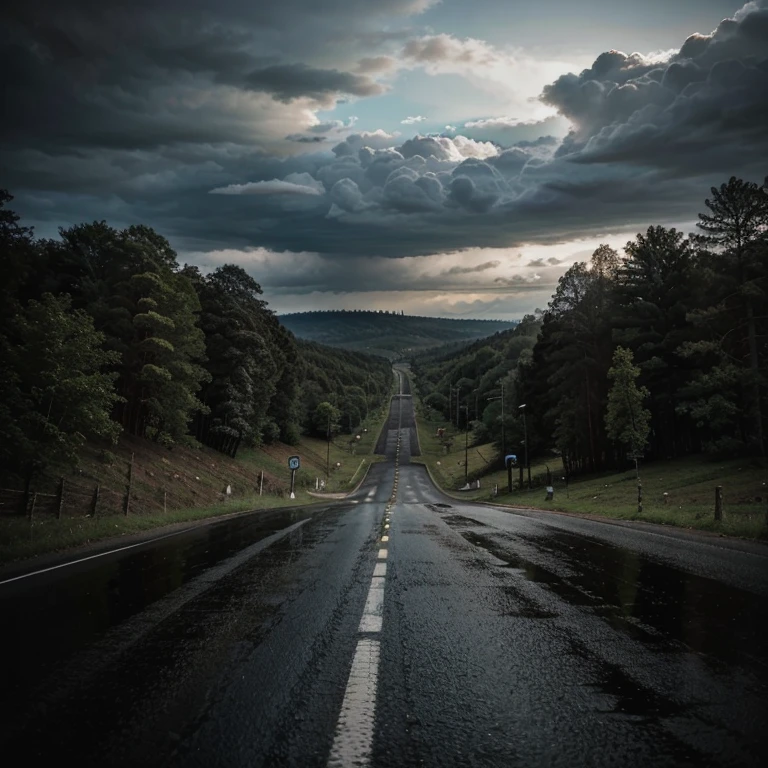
{"type": "Point", "coordinates": [396, 628]}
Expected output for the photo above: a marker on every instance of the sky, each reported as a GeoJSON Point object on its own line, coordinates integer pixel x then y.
{"type": "Point", "coordinates": [439, 157]}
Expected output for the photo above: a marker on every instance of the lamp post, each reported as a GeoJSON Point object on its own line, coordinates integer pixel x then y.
{"type": "Point", "coordinates": [328, 452]}
{"type": "Point", "coordinates": [466, 445]}
{"type": "Point", "coordinates": [525, 433]}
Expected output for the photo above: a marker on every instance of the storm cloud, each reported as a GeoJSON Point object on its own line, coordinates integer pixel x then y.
{"type": "Point", "coordinates": [219, 135]}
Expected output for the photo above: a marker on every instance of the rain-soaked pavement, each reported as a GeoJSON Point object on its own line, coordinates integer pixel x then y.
{"type": "Point", "coordinates": [393, 630]}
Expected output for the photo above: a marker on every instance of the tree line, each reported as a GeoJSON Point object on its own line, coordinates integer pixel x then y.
{"type": "Point", "coordinates": [104, 333]}
{"type": "Point", "coordinates": [689, 314]}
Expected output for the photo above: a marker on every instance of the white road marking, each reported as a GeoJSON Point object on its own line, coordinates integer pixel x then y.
{"type": "Point", "coordinates": [92, 557]}
{"type": "Point", "coordinates": [354, 730]}
{"type": "Point", "coordinates": [353, 739]}
{"type": "Point", "coordinates": [373, 613]}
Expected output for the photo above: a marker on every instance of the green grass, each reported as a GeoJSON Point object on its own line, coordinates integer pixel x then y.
{"type": "Point", "coordinates": [688, 482]}
{"type": "Point", "coordinates": [20, 538]}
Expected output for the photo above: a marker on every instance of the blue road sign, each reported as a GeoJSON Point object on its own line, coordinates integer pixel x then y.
{"type": "Point", "coordinates": [294, 462]}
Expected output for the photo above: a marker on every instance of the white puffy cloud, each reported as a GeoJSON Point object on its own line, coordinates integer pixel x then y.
{"type": "Point", "coordinates": [413, 120]}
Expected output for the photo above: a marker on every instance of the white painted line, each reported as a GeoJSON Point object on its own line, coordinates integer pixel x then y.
{"type": "Point", "coordinates": [354, 730]}
{"type": "Point", "coordinates": [385, 538]}
{"type": "Point", "coordinates": [380, 569]}
{"type": "Point", "coordinates": [373, 613]}
{"type": "Point", "coordinates": [382, 554]}
{"type": "Point", "coordinates": [92, 557]}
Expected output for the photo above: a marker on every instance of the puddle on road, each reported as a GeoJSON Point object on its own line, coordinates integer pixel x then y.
{"type": "Point", "coordinates": [438, 507]}
{"type": "Point", "coordinates": [83, 604]}
{"type": "Point", "coordinates": [459, 520]}
{"type": "Point", "coordinates": [654, 603]}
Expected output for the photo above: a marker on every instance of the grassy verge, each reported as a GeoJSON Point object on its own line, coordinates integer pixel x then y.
{"type": "Point", "coordinates": [20, 538]}
{"type": "Point", "coordinates": [679, 492]}
{"type": "Point", "coordinates": [184, 485]}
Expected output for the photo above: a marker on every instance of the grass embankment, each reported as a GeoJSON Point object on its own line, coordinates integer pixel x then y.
{"type": "Point", "coordinates": [689, 484]}
{"type": "Point", "coordinates": [180, 485]}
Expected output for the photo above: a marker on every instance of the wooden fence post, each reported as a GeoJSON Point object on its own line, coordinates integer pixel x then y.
{"type": "Point", "coordinates": [165, 501]}
{"type": "Point", "coordinates": [60, 505]}
{"type": "Point", "coordinates": [95, 500]}
{"type": "Point", "coordinates": [127, 504]}
{"type": "Point", "coordinates": [32, 506]}
{"type": "Point", "coordinates": [719, 502]}
{"type": "Point", "coordinates": [261, 482]}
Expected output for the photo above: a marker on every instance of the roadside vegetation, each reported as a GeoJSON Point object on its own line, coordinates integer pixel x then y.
{"type": "Point", "coordinates": [130, 382]}
{"type": "Point", "coordinates": [690, 313]}
{"type": "Point", "coordinates": [678, 492]}
{"type": "Point", "coordinates": [182, 485]}
{"type": "Point", "coordinates": [645, 360]}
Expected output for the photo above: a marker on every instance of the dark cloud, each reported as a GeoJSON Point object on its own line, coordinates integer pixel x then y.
{"type": "Point", "coordinates": [90, 74]}
{"type": "Point", "coordinates": [370, 64]}
{"type": "Point", "coordinates": [287, 82]}
{"type": "Point", "coordinates": [114, 117]}
{"type": "Point", "coordinates": [471, 270]}
{"type": "Point", "coordinates": [703, 110]}
{"type": "Point", "coordinates": [303, 139]}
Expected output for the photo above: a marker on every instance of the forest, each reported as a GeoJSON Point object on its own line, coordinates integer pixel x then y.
{"type": "Point", "coordinates": [657, 352]}
{"type": "Point", "coordinates": [103, 333]}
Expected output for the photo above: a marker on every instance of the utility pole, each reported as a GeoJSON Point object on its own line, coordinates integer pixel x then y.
{"type": "Point", "coordinates": [458, 390]}
{"type": "Point", "coordinates": [503, 440]}
{"type": "Point", "coordinates": [525, 433]}
{"type": "Point", "coordinates": [466, 445]}
{"type": "Point", "coordinates": [328, 453]}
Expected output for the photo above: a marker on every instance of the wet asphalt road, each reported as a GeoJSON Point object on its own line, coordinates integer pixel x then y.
{"type": "Point", "coordinates": [502, 639]}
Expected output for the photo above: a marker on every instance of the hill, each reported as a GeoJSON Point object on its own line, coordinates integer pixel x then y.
{"type": "Point", "coordinates": [387, 333]}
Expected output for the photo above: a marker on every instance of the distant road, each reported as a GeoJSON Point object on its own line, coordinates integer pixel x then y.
{"type": "Point", "coordinates": [396, 628]}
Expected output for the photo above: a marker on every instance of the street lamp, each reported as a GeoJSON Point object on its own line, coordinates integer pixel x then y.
{"type": "Point", "coordinates": [525, 433]}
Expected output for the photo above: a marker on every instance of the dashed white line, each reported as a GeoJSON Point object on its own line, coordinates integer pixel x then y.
{"type": "Point", "coordinates": [353, 739]}
{"type": "Point", "coordinates": [354, 730]}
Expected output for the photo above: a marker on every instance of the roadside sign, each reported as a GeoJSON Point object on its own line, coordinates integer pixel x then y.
{"type": "Point", "coordinates": [294, 462]}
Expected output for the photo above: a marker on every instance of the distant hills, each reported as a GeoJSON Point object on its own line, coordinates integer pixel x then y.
{"type": "Point", "coordinates": [388, 334]}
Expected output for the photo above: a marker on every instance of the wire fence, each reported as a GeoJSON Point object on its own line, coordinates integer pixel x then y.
{"type": "Point", "coordinates": [75, 499]}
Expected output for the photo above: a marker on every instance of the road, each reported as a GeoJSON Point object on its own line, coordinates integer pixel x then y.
{"type": "Point", "coordinates": [396, 628]}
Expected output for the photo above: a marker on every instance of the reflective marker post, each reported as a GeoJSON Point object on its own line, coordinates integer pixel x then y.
{"type": "Point", "coordinates": [294, 462]}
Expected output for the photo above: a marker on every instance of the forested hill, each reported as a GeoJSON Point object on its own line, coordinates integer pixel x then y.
{"type": "Point", "coordinates": [657, 352]}
{"type": "Point", "coordinates": [103, 333]}
{"type": "Point", "coordinates": [387, 333]}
